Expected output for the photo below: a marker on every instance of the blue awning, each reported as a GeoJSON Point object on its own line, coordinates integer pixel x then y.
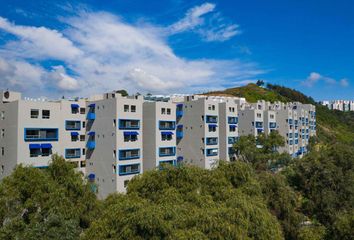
{"type": "Point", "coordinates": [131, 133]}
{"type": "Point", "coordinates": [92, 105]}
{"type": "Point", "coordinates": [232, 125]}
{"type": "Point", "coordinates": [179, 158]}
{"type": "Point", "coordinates": [180, 105]}
{"type": "Point", "coordinates": [74, 105]}
{"type": "Point", "coordinates": [34, 146]}
{"type": "Point", "coordinates": [91, 176]}
{"type": "Point", "coordinates": [213, 125]}
{"type": "Point", "coordinates": [180, 126]}
{"type": "Point", "coordinates": [74, 134]}
{"type": "Point", "coordinates": [91, 133]}
{"type": "Point", "coordinates": [167, 133]}
{"type": "Point", "coordinates": [46, 145]}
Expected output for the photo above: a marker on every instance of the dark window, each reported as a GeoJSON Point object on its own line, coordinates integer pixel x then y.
{"type": "Point", "coordinates": [45, 114]}
{"type": "Point", "coordinates": [34, 113]}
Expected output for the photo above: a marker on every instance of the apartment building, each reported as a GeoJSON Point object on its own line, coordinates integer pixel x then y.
{"type": "Point", "coordinates": [257, 118]}
{"type": "Point", "coordinates": [198, 130]}
{"type": "Point", "coordinates": [340, 105]}
{"type": "Point", "coordinates": [32, 130]}
{"type": "Point", "coordinates": [114, 141]}
{"type": "Point", "coordinates": [159, 127]}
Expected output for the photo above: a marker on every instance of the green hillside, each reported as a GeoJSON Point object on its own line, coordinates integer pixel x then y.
{"type": "Point", "coordinates": [332, 126]}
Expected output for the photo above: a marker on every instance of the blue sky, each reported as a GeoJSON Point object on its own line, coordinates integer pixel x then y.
{"type": "Point", "coordinates": [78, 48]}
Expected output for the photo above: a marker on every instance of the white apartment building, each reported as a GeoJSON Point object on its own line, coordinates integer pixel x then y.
{"type": "Point", "coordinates": [340, 105]}
{"type": "Point", "coordinates": [112, 138]}
{"type": "Point", "coordinates": [115, 141]}
{"type": "Point", "coordinates": [31, 130]}
{"type": "Point", "coordinates": [198, 131]}
{"type": "Point", "coordinates": [159, 127]}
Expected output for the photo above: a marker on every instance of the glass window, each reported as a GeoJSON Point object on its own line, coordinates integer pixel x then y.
{"type": "Point", "coordinates": [35, 152]}
{"type": "Point", "coordinates": [163, 110]}
{"type": "Point", "coordinates": [2, 133]}
{"type": "Point", "coordinates": [82, 110]}
{"type": "Point", "coordinates": [2, 115]}
{"type": "Point", "coordinates": [34, 113]}
{"type": "Point", "coordinates": [45, 114]}
{"type": "Point", "coordinates": [82, 138]}
{"type": "Point", "coordinates": [168, 111]}
{"type": "Point", "coordinates": [133, 108]}
{"type": "Point", "coordinates": [126, 108]}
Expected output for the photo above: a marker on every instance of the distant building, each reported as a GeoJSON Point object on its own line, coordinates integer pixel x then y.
{"type": "Point", "coordinates": [340, 105]}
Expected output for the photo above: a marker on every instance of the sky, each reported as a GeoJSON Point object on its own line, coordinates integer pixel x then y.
{"type": "Point", "coordinates": [78, 48]}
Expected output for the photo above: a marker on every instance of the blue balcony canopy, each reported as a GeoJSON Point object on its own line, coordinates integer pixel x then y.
{"type": "Point", "coordinates": [233, 125]}
{"type": "Point", "coordinates": [180, 126]}
{"type": "Point", "coordinates": [130, 133]}
{"type": "Point", "coordinates": [179, 158]}
{"type": "Point", "coordinates": [167, 133]}
{"type": "Point", "coordinates": [91, 176]}
{"type": "Point", "coordinates": [74, 105]}
{"type": "Point", "coordinates": [34, 146]}
{"type": "Point", "coordinates": [91, 133]}
{"type": "Point", "coordinates": [74, 134]}
{"type": "Point", "coordinates": [46, 145]}
{"type": "Point", "coordinates": [213, 125]}
{"type": "Point", "coordinates": [180, 105]}
{"type": "Point", "coordinates": [92, 105]}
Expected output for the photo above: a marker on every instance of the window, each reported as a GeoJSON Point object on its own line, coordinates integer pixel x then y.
{"type": "Point", "coordinates": [83, 164]}
{"type": "Point", "coordinates": [259, 115]}
{"type": "Point", "coordinates": [35, 152]}
{"type": "Point", "coordinates": [82, 110]}
{"type": "Point", "coordinates": [209, 106]}
{"type": "Point", "coordinates": [129, 169]}
{"type": "Point", "coordinates": [168, 111]}
{"type": "Point", "coordinates": [2, 115]}
{"type": "Point", "coordinates": [126, 108]}
{"type": "Point", "coordinates": [46, 152]}
{"type": "Point", "coordinates": [129, 154]}
{"type": "Point", "coordinates": [82, 138]}
{"type": "Point", "coordinates": [232, 140]}
{"type": "Point", "coordinates": [167, 151]}
{"type": "Point", "coordinates": [2, 133]}
{"type": "Point", "coordinates": [232, 120]}
{"type": "Point", "coordinates": [114, 123]}
{"type": "Point", "coordinates": [83, 124]}
{"type": "Point", "coordinates": [133, 108]}
{"type": "Point", "coordinates": [212, 107]}
{"type": "Point", "coordinates": [34, 113]}
{"type": "Point", "coordinates": [271, 116]}
{"type": "Point", "coordinates": [83, 151]}
{"type": "Point", "coordinates": [74, 138]}
{"type": "Point", "coordinates": [232, 128]}
{"type": "Point", "coordinates": [2, 151]}
{"type": "Point", "coordinates": [163, 111]}
{"type": "Point", "coordinates": [166, 136]}
{"type": "Point", "coordinates": [130, 136]}
{"type": "Point", "coordinates": [45, 114]}
{"type": "Point", "coordinates": [74, 110]}
{"type": "Point", "coordinates": [212, 128]}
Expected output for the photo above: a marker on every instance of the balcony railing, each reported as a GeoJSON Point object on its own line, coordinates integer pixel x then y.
{"type": "Point", "coordinates": [91, 116]}
{"type": "Point", "coordinates": [211, 141]}
{"type": "Point", "coordinates": [91, 145]}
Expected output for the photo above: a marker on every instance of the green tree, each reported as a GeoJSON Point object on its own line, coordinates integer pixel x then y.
{"type": "Point", "coordinates": [123, 92]}
{"type": "Point", "coordinates": [53, 203]}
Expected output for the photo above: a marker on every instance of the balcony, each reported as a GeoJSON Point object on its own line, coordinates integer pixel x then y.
{"type": "Point", "coordinates": [211, 119]}
{"type": "Point", "coordinates": [179, 134]}
{"type": "Point", "coordinates": [129, 169]}
{"type": "Point", "coordinates": [167, 151]}
{"type": "Point", "coordinates": [232, 140]}
{"type": "Point", "coordinates": [179, 113]}
{"type": "Point", "coordinates": [259, 124]}
{"type": "Point", "coordinates": [41, 134]}
{"type": "Point", "coordinates": [91, 145]}
{"type": "Point", "coordinates": [232, 120]}
{"type": "Point", "coordinates": [128, 154]}
{"type": "Point", "coordinates": [129, 124]}
{"type": "Point", "coordinates": [167, 125]}
{"type": "Point", "coordinates": [91, 116]}
{"type": "Point", "coordinates": [212, 141]}
{"type": "Point", "coordinates": [72, 125]}
{"type": "Point", "coordinates": [73, 153]}
{"type": "Point", "coordinates": [272, 125]}
{"type": "Point", "coordinates": [212, 152]}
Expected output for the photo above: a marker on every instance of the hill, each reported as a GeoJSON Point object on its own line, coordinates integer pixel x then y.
{"type": "Point", "coordinates": [332, 126]}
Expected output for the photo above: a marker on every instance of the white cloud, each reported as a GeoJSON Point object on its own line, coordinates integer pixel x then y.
{"type": "Point", "coordinates": [344, 82]}
{"type": "Point", "coordinates": [192, 19]}
{"type": "Point", "coordinates": [38, 42]}
{"type": "Point", "coordinates": [211, 28]}
{"type": "Point", "coordinates": [315, 77]}
{"type": "Point", "coordinates": [100, 52]}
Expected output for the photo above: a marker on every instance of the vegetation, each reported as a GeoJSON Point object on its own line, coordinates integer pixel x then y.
{"type": "Point", "coordinates": [264, 195]}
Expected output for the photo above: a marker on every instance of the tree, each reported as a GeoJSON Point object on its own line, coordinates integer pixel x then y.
{"type": "Point", "coordinates": [260, 83]}
{"type": "Point", "coordinates": [188, 203]}
{"type": "Point", "coordinates": [53, 203]}
{"type": "Point", "coordinates": [123, 92]}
